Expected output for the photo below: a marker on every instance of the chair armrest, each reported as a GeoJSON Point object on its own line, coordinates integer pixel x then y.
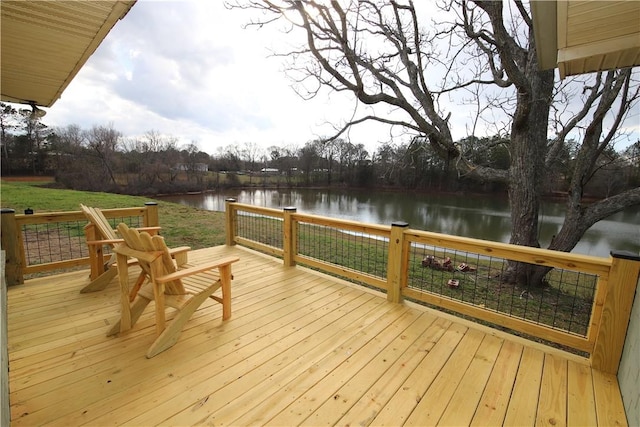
{"type": "Point", "coordinates": [179, 249]}
{"type": "Point", "coordinates": [197, 269]}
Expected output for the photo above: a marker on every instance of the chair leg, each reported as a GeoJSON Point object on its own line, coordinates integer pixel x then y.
{"type": "Point", "coordinates": [172, 332]}
{"type": "Point", "coordinates": [225, 281]}
{"type": "Point", "coordinates": [101, 282]}
{"type": "Point", "coordinates": [137, 286]}
{"type": "Point", "coordinates": [136, 311]}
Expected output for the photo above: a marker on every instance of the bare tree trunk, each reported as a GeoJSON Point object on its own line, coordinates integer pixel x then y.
{"type": "Point", "coordinates": [528, 143]}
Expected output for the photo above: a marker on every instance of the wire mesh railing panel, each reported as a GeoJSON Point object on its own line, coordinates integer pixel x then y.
{"type": "Point", "coordinates": [62, 240]}
{"type": "Point", "coordinates": [52, 242]}
{"type": "Point", "coordinates": [361, 252]}
{"type": "Point", "coordinates": [563, 302]}
{"type": "Point", "coordinates": [260, 228]}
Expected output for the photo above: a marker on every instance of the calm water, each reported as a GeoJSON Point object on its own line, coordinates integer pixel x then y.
{"type": "Point", "coordinates": [482, 217]}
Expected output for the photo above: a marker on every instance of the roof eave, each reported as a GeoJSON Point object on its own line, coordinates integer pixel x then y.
{"type": "Point", "coordinates": [544, 14]}
{"type": "Point", "coordinates": [118, 12]}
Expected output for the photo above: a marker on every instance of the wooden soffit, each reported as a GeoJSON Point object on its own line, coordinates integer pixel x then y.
{"type": "Point", "coordinates": [580, 37]}
{"type": "Point", "coordinates": [46, 43]}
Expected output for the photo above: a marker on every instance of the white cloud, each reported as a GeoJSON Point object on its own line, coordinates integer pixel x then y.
{"type": "Point", "coordinates": [190, 70]}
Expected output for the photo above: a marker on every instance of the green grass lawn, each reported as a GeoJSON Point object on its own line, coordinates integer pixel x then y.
{"type": "Point", "coordinates": [181, 225]}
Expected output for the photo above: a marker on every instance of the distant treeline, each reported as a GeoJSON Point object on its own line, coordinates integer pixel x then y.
{"type": "Point", "coordinates": [101, 159]}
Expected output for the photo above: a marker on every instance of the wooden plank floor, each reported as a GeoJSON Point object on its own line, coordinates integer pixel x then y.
{"type": "Point", "coordinates": [301, 348]}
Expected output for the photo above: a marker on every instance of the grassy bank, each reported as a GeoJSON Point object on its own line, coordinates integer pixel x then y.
{"type": "Point", "coordinates": [181, 225]}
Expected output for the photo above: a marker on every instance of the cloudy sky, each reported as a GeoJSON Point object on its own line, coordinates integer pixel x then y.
{"type": "Point", "coordinates": [189, 69]}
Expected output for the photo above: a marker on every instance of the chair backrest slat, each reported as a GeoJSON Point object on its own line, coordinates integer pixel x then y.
{"type": "Point", "coordinates": [143, 242]}
{"type": "Point", "coordinates": [98, 219]}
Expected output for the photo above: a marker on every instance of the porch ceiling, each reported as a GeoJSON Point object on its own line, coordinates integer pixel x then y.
{"type": "Point", "coordinates": [585, 36]}
{"type": "Point", "coordinates": [46, 43]}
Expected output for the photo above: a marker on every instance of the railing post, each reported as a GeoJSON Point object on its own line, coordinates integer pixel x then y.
{"type": "Point", "coordinates": [290, 238]}
{"type": "Point", "coordinates": [395, 264]}
{"type": "Point", "coordinates": [11, 244]}
{"type": "Point", "coordinates": [616, 311]}
{"type": "Point", "coordinates": [231, 221]}
{"type": "Point", "coordinates": [151, 217]}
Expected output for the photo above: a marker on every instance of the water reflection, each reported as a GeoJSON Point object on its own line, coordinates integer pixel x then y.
{"type": "Point", "coordinates": [482, 217]}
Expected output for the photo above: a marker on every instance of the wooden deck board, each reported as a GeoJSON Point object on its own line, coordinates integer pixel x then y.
{"type": "Point", "coordinates": [493, 404]}
{"type": "Point", "coordinates": [301, 348]}
{"type": "Point", "coordinates": [552, 403]}
{"type": "Point", "coordinates": [581, 408]}
{"type": "Point", "coordinates": [436, 399]}
{"type": "Point", "coordinates": [465, 400]}
{"type": "Point", "coordinates": [350, 387]}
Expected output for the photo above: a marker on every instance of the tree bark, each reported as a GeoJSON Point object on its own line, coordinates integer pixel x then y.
{"type": "Point", "coordinates": [528, 142]}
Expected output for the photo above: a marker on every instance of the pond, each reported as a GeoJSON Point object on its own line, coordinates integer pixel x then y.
{"type": "Point", "coordinates": [479, 216]}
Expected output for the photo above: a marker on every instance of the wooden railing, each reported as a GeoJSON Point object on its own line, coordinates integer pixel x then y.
{"type": "Point", "coordinates": [58, 237]}
{"type": "Point", "coordinates": [615, 278]}
{"type": "Point", "coordinates": [390, 258]}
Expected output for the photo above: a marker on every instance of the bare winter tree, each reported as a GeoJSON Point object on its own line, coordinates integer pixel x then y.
{"type": "Point", "coordinates": [394, 56]}
{"type": "Point", "coordinates": [194, 158]}
{"type": "Point", "coordinates": [152, 158]}
{"type": "Point", "coordinates": [250, 153]}
{"type": "Point", "coordinates": [103, 141]}
{"type": "Point", "coordinates": [284, 159]}
{"type": "Point", "coordinates": [68, 148]}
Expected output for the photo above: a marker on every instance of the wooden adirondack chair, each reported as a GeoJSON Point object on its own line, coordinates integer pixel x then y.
{"type": "Point", "coordinates": [183, 289]}
{"type": "Point", "coordinates": [99, 233]}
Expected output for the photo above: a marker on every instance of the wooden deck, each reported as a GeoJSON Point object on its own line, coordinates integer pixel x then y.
{"type": "Point", "coordinates": [301, 348]}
